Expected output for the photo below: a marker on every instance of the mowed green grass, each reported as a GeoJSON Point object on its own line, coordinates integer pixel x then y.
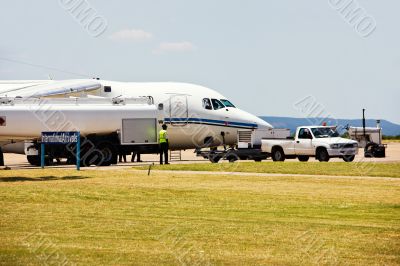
{"type": "Point", "coordinates": [387, 141]}
{"type": "Point", "coordinates": [333, 168]}
{"type": "Point", "coordinates": [126, 217]}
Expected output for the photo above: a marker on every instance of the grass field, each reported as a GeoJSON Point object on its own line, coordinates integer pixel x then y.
{"type": "Point", "coordinates": [126, 217]}
{"type": "Point", "coordinates": [336, 169]}
{"type": "Point", "coordinates": [391, 141]}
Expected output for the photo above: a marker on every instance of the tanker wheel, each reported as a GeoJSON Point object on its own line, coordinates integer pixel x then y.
{"type": "Point", "coordinates": [107, 152]}
{"type": "Point", "coordinates": [89, 159]}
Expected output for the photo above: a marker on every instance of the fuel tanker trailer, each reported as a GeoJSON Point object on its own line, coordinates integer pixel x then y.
{"type": "Point", "coordinates": [107, 127]}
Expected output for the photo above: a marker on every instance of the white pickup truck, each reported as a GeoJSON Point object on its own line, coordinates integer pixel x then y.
{"type": "Point", "coordinates": [321, 142]}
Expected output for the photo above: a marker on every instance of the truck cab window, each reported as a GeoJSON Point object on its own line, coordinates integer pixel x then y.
{"type": "Point", "coordinates": [304, 133]}
{"type": "Point", "coordinates": [207, 104]}
{"type": "Point", "coordinates": [217, 104]}
{"type": "Point", "coordinates": [325, 132]}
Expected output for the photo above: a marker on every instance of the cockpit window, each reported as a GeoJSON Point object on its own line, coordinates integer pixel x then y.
{"type": "Point", "coordinates": [217, 104]}
{"type": "Point", "coordinates": [207, 104]}
{"type": "Point", "coordinates": [227, 103]}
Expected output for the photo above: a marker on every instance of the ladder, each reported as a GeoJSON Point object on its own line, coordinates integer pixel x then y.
{"type": "Point", "coordinates": [175, 155]}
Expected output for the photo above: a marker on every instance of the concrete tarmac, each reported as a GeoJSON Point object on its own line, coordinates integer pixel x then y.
{"type": "Point", "coordinates": [18, 161]}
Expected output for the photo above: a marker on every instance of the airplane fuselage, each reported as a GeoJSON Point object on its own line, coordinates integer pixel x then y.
{"type": "Point", "coordinates": [196, 116]}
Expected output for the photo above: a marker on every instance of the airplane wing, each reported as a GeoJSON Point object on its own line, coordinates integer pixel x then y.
{"type": "Point", "coordinates": [47, 88]}
{"type": "Point", "coordinates": [9, 86]}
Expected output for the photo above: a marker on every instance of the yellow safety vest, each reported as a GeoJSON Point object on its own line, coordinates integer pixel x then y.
{"type": "Point", "coordinates": [163, 136]}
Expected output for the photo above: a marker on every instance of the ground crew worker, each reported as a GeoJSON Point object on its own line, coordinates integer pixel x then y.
{"type": "Point", "coordinates": [122, 154]}
{"type": "Point", "coordinates": [137, 155]}
{"type": "Point", "coordinates": [164, 145]}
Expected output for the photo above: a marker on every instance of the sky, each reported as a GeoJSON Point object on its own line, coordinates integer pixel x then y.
{"type": "Point", "coordinates": [273, 58]}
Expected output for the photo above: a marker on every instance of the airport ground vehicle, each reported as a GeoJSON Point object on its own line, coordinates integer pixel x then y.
{"type": "Point", "coordinates": [321, 142]}
{"type": "Point", "coordinates": [369, 138]}
{"type": "Point", "coordinates": [248, 146]}
{"type": "Point", "coordinates": [108, 127]}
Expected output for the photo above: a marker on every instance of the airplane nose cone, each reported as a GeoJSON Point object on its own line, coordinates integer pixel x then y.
{"type": "Point", "coordinates": [252, 119]}
{"type": "Point", "coordinates": [262, 124]}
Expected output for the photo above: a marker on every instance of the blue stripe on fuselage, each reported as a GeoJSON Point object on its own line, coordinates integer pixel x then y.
{"type": "Point", "coordinates": [212, 122]}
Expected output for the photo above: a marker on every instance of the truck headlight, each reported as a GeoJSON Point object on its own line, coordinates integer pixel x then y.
{"type": "Point", "coordinates": [336, 146]}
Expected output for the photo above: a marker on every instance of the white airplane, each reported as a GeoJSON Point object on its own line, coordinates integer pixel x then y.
{"type": "Point", "coordinates": [196, 115]}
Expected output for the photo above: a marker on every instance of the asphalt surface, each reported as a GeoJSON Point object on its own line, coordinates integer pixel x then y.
{"type": "Point", "coordinates": [18, 161]}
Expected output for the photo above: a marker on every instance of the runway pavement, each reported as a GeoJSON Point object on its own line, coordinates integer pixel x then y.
{"type": "Point", "coordinates": [18, 161]}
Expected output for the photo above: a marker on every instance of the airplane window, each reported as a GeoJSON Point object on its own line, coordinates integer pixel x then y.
{"type": "Point", "coordinates": [227, 103]}
{"type": "Point", "coordinates": [207, 104]}
{"type": "Point", "coordinates": [217, 104]}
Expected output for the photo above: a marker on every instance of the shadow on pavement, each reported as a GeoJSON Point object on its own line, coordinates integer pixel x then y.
{"type": "Point", "coordinates": [43, 178]}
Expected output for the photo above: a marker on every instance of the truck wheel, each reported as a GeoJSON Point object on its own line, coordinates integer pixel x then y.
{"type": "Point", "coordinates": [349, 158]}
{"type": "Point", "coordinates": [303, 158]}
{"type": "Point", "coordinates": [323, 155]}
{"type": "Point", "coordinates": [278, 155]}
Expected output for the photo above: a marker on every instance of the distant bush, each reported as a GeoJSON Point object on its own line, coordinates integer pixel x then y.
{"type": "Point", "coordinates": [391, 137]}
{"type": "Point", "coordinates": [346, 135]}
